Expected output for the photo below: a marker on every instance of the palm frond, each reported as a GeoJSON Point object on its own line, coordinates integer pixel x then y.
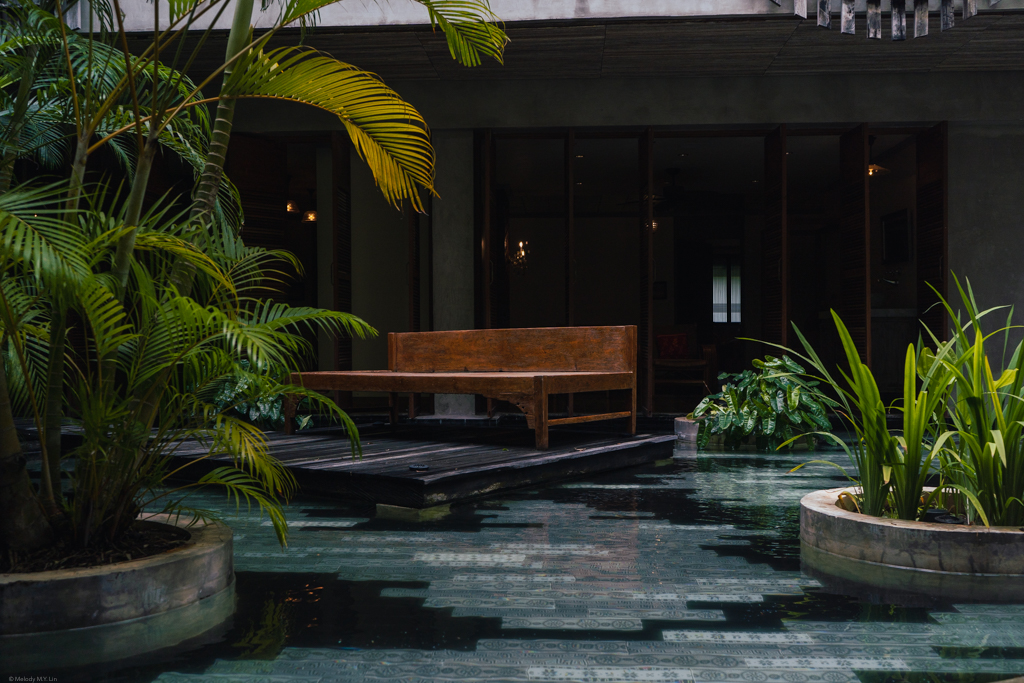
{"type": "Point", "coordinates": [389, 133]}
{"type": "Point", "coordinates": [36, 232]}
{"type": "Point", "coordinates": [470, 27]}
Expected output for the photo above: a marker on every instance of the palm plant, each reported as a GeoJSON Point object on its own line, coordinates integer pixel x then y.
{"type": "Point", "coordinates": [156, 349]}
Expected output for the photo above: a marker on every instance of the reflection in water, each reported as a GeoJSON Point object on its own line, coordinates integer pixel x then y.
{"type": "Point", "coordinates": [266, 638]}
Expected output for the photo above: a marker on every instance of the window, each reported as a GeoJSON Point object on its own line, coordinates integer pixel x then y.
{"type": "Point", "coordinates": [725, 290]}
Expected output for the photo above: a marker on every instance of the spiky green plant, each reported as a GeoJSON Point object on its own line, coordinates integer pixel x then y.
{"type": "Point", "coordinates": [986, 411]}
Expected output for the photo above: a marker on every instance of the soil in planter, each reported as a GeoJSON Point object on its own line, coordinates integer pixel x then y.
{"type": "Point", "coordinates": [143, 539]}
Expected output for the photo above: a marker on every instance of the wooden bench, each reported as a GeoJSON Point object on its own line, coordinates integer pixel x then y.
{"type": "Point", "coordinates": [521, 366]}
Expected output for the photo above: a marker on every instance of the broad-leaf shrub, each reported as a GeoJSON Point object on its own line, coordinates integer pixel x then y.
{"type": "Point", "coordinates": [771, 404]}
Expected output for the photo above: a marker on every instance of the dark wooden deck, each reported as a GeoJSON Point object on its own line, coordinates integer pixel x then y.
{"type": "Point", "coordinates": [463, 463]}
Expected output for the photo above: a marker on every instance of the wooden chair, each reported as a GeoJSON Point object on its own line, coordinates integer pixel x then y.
{"type": "Point", "coordinates": [697, 366]}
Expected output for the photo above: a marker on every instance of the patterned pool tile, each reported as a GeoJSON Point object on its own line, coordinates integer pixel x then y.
{"type": "Point", "coordinates": [609, 674]}
{"type": "Point", "coordinates": [686, 572]}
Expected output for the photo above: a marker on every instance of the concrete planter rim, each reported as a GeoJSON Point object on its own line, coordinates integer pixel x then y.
{"type": "Point", "coordinates": [196, 534]}
{"type": "Point", "coordinates": [85, 597]}
{"type": "Point", "coordinates": [903, 561]}
{"type": "Point", "coordinates": [823, 502]}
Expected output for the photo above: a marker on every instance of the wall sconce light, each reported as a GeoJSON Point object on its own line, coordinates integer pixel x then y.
{"type": "Point", "coordinates": [654, 226]}
{"type": "Point", "coordinates": [293, 206]}
{"type": "Point", "coordinates": [309, 217]}
{"type": "Point", "coordinates": [517, 257]}
{"type": "Point", "coordinates": [875, 169]}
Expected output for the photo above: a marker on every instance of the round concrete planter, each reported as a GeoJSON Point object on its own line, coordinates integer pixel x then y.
{"type": "Point", "coordinates": [82, 616]}
{"type": "Point", "coordinates": [895, 556]}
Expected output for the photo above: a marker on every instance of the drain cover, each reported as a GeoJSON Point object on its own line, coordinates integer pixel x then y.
{"type": "Point", "coordinates": [419, 468]}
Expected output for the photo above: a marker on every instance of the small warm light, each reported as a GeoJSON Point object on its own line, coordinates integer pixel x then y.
{"type": "Point", "coordinates": [309, 217]}
{"type": "Point", "coordinates": [875, 169]}
{"type": "Point", "coordinates": [293, 207]}
{"type": "Point", "coordinates": [517, 259]}
{"type": "Point", "coordinates": [654, 226]}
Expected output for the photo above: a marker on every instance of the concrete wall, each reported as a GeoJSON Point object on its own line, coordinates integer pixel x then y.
{"type": "Point", "coordinates": [380, 261]}
{"type": "Point", "coordinates": [723, 101]}
{"type": "Point", "coordinates": [986, 206]}
{"type": "Point", "coordinates": [453, 247]}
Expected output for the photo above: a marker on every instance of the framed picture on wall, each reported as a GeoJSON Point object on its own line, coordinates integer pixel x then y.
{"type": "Point", "coordinates": [896, 237]}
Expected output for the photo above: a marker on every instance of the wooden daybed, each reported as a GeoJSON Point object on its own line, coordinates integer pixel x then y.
{"type": "Point", "coordinates": [521, 366]}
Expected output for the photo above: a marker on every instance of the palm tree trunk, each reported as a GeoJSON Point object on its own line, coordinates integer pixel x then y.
{"type": "Point", "coordinates": [23, 526]}
{"type": "Point", "coordinates": [213, 170]}
{"type": "Point", "coordinates": [55, 398]}
{"type": "Point", "coordinates": [133, 211]}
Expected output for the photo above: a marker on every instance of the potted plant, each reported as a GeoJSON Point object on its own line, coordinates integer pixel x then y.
{"type": "Point", "coordinates": [766, 407]}
{"type": "Point", "coordinates": [961, 432]}
{"type": "Point", "coordinates": [173, 336]}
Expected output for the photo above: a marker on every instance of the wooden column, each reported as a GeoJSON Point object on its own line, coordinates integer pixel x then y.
{"type": "Point", "coordinates": [569, 190]}
{"type": "Point", "coordinates": [775, 241]}
{"type": "Point", "coordinates": [932, 236]}
{"type": "Point", "coordinates": [570, 228]}
{"type": "Point", "coordinates": [485, 229]}
{"type": "Point", "coordinates": [855, 238]}
{"type": "Point", "coordinates": [341, 273]}
{"type": "Point", "coordinates": [645, 328]}
{"type": "Point", "coordinates": [485, 235]}
{"type": "Point", "coordinates": [413, 229]}
{"type": "Point", "coordinates": [429, 259]}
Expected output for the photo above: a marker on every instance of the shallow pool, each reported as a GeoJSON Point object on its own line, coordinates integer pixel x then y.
{"type": "Point", "coordinates": [684, 570]}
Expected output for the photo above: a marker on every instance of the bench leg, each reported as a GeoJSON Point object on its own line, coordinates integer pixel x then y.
{"type": "Point", "coordinates": [490, 408]}
{"type": "Point", "coordinates": [412, 406]}
{"type": "Point", "coordinates": [572, 412]}
{"type": "Point", "coordinates": [540, 412]}
{"type": "Point", "coordinates": [393, 408]}
{"type": "Point", "coordinates": [632, 410]}
{"type": "Point", "coordinates": [288, 407]}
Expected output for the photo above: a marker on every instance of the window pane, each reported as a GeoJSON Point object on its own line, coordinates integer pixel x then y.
{"type": "Point", "coordinates": [734, 301]}
{"type": "Point", "coordinates": [719, 301]}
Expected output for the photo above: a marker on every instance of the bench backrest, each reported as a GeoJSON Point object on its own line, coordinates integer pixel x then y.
{"type": "Point", "coordinates": [552, 349]}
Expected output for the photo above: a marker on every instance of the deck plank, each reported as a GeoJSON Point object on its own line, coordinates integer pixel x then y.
{"type": "Point", "coordinates": [464, 463]}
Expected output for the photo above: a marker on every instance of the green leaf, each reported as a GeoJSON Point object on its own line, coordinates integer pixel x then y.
{"type": "Point", "coordinates": [387, 132]}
